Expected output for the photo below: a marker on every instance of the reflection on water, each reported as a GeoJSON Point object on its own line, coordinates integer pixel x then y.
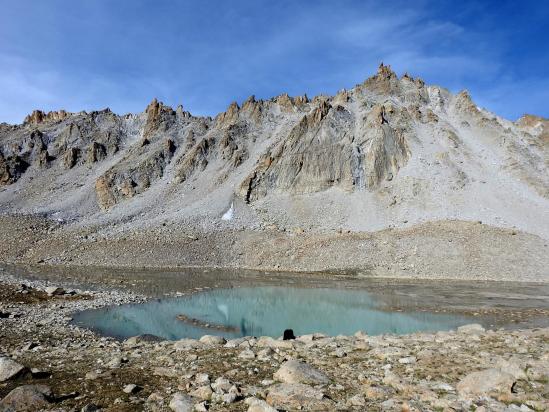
{"type": "Point", "coordinates": [262, 311]}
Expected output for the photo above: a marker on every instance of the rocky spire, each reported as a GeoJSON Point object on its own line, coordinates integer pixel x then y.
{"type": "Point", "coordinates": [230, 115]}
{"type": "Point", "coordinates": [385, 72]}
{"type": "Point", "coordinates": [38, 116]}
{"type": "Point", "coordinates": [157, 113]}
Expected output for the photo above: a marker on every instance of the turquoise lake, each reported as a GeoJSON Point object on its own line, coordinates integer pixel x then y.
{"type": "Point", "coordinates": [262, 311]}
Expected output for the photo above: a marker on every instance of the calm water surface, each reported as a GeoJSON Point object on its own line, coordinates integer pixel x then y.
{"type": "Point", "coordinates": [263, 311]}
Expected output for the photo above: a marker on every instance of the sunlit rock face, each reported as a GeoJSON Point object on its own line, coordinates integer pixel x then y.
{"type": "Point", "coordinates": [400, 144]}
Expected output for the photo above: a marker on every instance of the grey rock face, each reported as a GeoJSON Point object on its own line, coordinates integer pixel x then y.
{"type": "Point", "coordinates": [324, 150]}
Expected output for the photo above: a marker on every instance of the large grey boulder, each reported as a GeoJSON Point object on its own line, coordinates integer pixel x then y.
{"type": "Point", "coordinates": [9, 369]}
{"type": "Point", "coordinates": [298, 396]}
{"type": "Point", "coordinates": [188, 344]}
{"type": "Point", "coordinates": [485, 382]}
{"type": "Point", "coordinates": [27, 398]}
{"type": "Point", "coordinates": [294, 371]}
{"type": "Point", "coordinates": [181, 403]}
{"type": "Point", "coordinates": [213, 340]}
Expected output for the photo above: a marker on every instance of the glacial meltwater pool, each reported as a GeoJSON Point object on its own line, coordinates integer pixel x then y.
{"type": "Point", "coordinates": [262, 311]}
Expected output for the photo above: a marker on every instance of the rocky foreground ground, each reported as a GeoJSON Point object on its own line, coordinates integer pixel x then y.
{"type": "Point", "coordinates": [48, 364]}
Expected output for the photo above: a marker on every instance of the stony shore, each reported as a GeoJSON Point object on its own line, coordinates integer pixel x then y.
{"type": "Point", "coordinates": [72, 369]}
{"type": "Point", "coordinates": [456, 250]}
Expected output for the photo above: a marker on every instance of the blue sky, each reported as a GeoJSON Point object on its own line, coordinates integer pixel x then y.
{"type": "Point", "coordinates": [91, 54]}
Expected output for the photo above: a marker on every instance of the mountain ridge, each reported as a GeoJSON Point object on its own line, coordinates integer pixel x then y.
{"type": "Point", "coordinates": [396, 143]}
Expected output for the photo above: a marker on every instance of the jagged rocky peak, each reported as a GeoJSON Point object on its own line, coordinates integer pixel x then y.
{"type": "Point", "coordinates": [385, 72]}
{"type": "Point", "coordinates": [38, 116]}
{"type": "Point", "coordinates": [155, 108]}
{"type": "Point", "coordinates": [535, 125]}
{"type": "Point", "coordinates": [159, 118]}
{"type": "Point", "coordinates": [532, 121]}
{"type": "Point", "coordinates": [358, 140]}
{"type": "Point", "coordinates": [229, 116]}
{"type": "Point", "coordinates": [385, 83]}
{"type": "Point", "coordinates": [291, 104]}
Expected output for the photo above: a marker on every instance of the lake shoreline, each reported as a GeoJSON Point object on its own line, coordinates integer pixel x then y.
{"type": "Point", "coordinates": [98, 369]}
{"type": "Point", "coordinates": [438, 250]}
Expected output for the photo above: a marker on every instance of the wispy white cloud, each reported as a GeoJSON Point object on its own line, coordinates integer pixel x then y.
{"type": "Point", "coordinates": [123, 54]}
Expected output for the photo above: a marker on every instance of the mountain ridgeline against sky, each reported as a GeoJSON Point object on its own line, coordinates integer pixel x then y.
{"type": "Point", "coordinates": [389, 150]}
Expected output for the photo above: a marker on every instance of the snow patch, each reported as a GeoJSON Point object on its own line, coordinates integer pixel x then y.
{"type": "Point", "coordinates": [228, 215]}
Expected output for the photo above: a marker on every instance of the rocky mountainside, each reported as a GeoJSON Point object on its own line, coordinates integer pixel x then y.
{"type": "Point", "coordinates": [389, 152]}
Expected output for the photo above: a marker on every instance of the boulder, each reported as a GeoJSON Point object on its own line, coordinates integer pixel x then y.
{"type": "Point", "coordinates": [233, 343]}
{"type": "Point", "coordinates": [54, 291]}
{"type": "Point", "coordinates": [485, 382]}
{"type": "Point", "coordinates": [187, 344]}
{"type": "Point", "coordinates": [27, 398]}
{"type": "Point", "coordinates": [202, 379]}
{"type": "Point", "coordinates": [357, 400]}
{"type": "Point", "coordinates": [147, 338]}
{"type": "Point", "coordinates": [246, 354]}
{"type": "Point", "coordinates": [472, 329]}
{"type": "Point", "coordinates": [538, 371]}
{"type": "Point", "coordinates": [222, 385]}
{"type": "Point", "coordinates": [258, 405]}
{"type": "Point", "coordinates": [267, 341]}
{"type": "Point", "coordinates": [203, 393]}
{"type": "Point", "coordinates": [297, 396]}
{"type": "Point", "coordinates": [9, 369]}
{"type": "Point", "coordinates": [213, 340]}
{"type": "Point", "coordinates": [294, 371]}
{"type": "Point", "coordinates": [132, 388]}
{"type": "Point", "coordinates": [116, 362]}
{"type": "Point", "coordinates": [181, 403]}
